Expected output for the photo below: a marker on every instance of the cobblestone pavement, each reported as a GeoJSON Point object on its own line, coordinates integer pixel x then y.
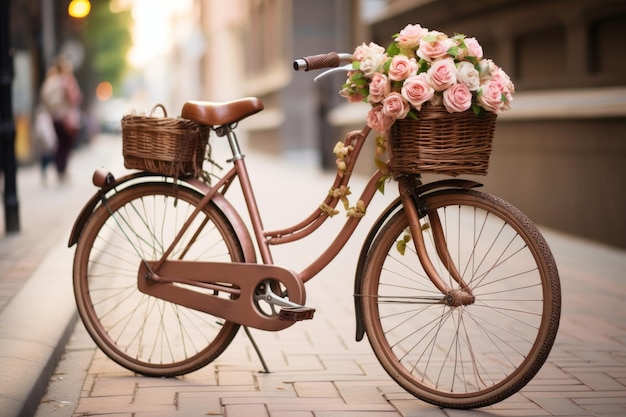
{"type": "Point", "coordinates": [317, 368]}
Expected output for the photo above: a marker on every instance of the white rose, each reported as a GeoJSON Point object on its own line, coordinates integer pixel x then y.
{"type": "Point", "coordinates": [468, 75]}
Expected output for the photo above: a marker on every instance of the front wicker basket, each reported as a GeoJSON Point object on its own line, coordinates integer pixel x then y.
{"type": "Point", "coordinates": [442, 143]}
{"type": "Point", "coordinates": [164, 145]}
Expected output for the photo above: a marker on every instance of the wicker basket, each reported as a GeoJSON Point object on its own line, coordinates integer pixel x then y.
{"type": "Point", "coordinates": [442, 143]}
{"type": "Point", "coordinates": [164, 145]}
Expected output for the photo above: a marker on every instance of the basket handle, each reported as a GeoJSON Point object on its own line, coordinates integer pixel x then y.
{"type": "Point", "coordinates": [162, 108]}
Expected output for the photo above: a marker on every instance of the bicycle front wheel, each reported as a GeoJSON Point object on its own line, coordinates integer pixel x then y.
{"type": "Point", "coordinates": [471, 355]}
{"type": "Point", "coordinates": [142, 333]}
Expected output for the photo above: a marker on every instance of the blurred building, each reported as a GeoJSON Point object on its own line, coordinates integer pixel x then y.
{"type": "Point", "coordinates": [562, 142]}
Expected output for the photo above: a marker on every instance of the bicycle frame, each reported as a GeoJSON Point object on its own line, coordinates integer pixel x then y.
{"type": "Point", "coordinates": [265, 239]}
{"type": "Point", "coordinates": [243, 280]}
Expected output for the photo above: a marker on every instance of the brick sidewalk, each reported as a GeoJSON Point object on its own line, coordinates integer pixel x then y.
{"type": "Point", "coordinates": [47, 211]}
{"type": "Point", "coordinates": [317, 369]}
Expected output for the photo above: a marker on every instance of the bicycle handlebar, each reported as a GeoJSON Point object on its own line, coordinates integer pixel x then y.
{"type": "Point", "coordinates": [329, 60]}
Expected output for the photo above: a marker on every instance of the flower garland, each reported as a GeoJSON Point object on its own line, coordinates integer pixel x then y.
{"type": "Point", "coordinates": [341, 151]}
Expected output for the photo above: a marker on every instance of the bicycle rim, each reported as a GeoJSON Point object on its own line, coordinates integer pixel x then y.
{"type": "Point", "coordinates": [145, 334]}
{"type": "Point", "coordinates": [474, 355]}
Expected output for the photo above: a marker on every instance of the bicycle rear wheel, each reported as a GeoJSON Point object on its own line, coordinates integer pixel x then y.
{"type": "Point", "coordinates": [472, 355]}
{"type": "Point", "coordinates": [142, 333]}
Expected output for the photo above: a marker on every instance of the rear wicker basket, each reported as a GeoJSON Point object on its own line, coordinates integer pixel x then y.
{"type": "Point", "coordinates": [164, 145]}
{"type": "Point", "coordinates": [442, 143]}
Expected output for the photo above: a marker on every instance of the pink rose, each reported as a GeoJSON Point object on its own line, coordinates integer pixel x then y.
{"type": "Point", "coordinates": [457, 98]}
{"type": "Point", "coordinates": [410, 36]}
{"type": "Point", "coordinates": [377, 120]}
{"type": "Point", "coordinates": [360, 52]}
{"type": "Point", "coordinates": [506, 86]}
{"type": "Point", "coordinates": [442, 74]}
{"type": "Point", "coordinates": [351, 95]}
{"type": "Point", "coordinates": [364, 50]}
{"type": "Point", "coordinates": [490, 96]}
{"type": "Point", "coordinates": [473, 48]}
{"type": "Point", "coordinates": [434, 45]}
{"type": "Point", "coordinates": [379, 88]}
{"type": "Point", "coordinates": [502, 77]}
{"type": "Point", "coordinates": [417, 90]}
{"type": "Point", "coordinates": [395, 106]}
{"type": "Point", "coordinates": [402, 68]}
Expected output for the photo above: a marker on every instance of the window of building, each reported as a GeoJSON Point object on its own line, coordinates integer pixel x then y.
{"type": "Point", "coordinates": [541, 56]}
{"type": "Point", "coordinates": [607, 45]}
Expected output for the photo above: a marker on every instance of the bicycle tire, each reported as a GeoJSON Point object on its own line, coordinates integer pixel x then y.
{"type": "Point", "coordinates": [142, 333]}
{"type": "Point", "coordinates": [474, 355]}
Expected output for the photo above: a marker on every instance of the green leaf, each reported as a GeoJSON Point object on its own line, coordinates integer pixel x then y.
{"type": "Point", "coordinates": [429, 38]}
{"type": "Point", "coordinates": [380, 164]}
{"type": "Point", "coordinates": [401, 247]}
{"type": "Point", "coordinates": [401, 244]}
{"type": "Point", "coordinates": [396, 85]}
{"type": "Point", "coordinates": [380, 185]}
{"type": "Point", "coordinates": [386, 66]}
{"type": "Point", "coordinates": [393, 49]}
{"type": "Point", "coordinates": [423, 66]}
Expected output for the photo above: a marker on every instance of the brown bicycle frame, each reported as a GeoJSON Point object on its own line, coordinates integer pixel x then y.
{"type": "Point", "coordinates": [304, 228]}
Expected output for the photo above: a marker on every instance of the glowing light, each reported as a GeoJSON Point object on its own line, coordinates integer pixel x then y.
{"type": "Point", "coordinates": [104, 91]}
{"type": "Point", "coordinates": [79, 8]}
{"type": "Point", "coordinates": [153, 29]}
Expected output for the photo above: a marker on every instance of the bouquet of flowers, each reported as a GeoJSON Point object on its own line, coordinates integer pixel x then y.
{"type": "Point", "coordinates": [425, 68]}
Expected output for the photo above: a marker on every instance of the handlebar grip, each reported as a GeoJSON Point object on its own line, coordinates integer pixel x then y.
{"type": "Point", "coordinates": [307, 63]}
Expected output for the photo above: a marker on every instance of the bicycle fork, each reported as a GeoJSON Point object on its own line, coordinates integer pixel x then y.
{"type": "Point", "coordinates": [415, 210]}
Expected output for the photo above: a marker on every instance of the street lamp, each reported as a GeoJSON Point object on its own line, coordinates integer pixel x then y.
{"type": "Point", "coordinates": [79, 8]}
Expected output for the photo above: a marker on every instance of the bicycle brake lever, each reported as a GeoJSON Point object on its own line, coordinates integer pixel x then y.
{"type": "Point", "coordinates": [347, 67]}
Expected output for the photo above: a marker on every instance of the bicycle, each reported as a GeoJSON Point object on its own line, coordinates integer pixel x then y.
{"type": "Point", "coordinates": [456, 289]}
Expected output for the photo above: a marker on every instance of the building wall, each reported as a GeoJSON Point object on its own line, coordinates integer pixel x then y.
{"type": "Point", "coordinates": [294, 123]}
{"type": "Point", "coordinates": [560, 153]}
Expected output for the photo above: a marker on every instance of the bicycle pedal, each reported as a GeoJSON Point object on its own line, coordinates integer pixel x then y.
{"type": "Point", "coordinates": [296, 313]}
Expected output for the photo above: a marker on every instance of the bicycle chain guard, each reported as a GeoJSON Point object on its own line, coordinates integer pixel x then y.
{"type": "Point", "coordinates": [223, 289]}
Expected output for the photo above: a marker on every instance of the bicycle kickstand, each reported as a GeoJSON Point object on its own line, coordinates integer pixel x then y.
{"type": "Point", "coordinates": [257, 350]}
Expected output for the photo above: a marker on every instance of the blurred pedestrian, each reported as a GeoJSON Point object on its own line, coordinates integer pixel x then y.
{"type": "Point", "coordinates": [45, 138]}
{"type": "Point", "coordinates": [61, 96]}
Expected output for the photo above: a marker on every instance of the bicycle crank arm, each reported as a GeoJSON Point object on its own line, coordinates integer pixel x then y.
{"type": "Point", "coordinates": [239, 281]}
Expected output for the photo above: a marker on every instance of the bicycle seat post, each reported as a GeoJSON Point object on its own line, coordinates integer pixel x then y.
{"type": "Point", "coordinates": [229, 132]}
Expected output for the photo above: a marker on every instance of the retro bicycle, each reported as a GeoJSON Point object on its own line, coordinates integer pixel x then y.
{"type": "Point", "coordinates": [456, 289]}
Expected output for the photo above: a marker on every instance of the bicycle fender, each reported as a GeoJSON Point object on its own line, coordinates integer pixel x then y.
{"type": "Point", "coordinates": [118, 184]}
{"type": "Point", "coordinates": [92, 203]}
{"type": "Point", "coordinates": [395, 205]}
